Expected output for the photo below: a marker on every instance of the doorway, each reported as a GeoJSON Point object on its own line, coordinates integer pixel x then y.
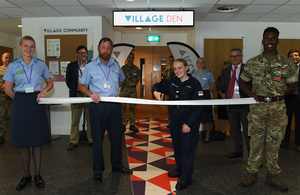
{"type": "Point", "coordinates": [152, 57]}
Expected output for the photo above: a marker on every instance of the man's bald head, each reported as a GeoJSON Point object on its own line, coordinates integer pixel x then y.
{"type": "Point", "coordinates": [6, 58]}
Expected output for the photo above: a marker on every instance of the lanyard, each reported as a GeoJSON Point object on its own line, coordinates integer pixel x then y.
{"type": "Point", "coordinates": [26, 74]}
{"type": "Point", "coordinates": [237, 80]}
{"type": "Point", "coordinates": [104, 73]}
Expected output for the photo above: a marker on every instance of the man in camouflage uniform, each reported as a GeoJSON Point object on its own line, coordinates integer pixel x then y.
{"type": "Point", "coordinates": [132, 76]}
{"type": "Point", "coordinates": [4, 99]}
{"type": "Point", "coordinates": [273, 76]}
{"type": "Point", "coordinates": [168, 73]}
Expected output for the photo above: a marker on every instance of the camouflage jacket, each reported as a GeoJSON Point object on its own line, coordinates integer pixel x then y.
{"type": "Point", "coordinates": [168, 73]}
{"type": "Point", "coordinates": [269, 79]}
{"type": "Point", "coordinates": [2, 71]}
{"type": "Point", "coordinates": [132, 74]}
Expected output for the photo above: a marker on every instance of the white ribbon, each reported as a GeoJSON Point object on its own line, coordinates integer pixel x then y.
{"type": "Point", "coordinates": [75, 100]}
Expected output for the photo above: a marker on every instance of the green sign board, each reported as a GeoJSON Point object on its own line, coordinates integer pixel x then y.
{"type": "Point", "coordinates": [153, 38]}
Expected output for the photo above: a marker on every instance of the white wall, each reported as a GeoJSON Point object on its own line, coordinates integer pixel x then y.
{"type": "Point", "coordinates": [12, 42]}
{"type": "Point", "coordinates": [250, 31]}
{"type": "Point", "coordinates": [107, 30]}
{"type": "Point", "coordinates": [33, 26]}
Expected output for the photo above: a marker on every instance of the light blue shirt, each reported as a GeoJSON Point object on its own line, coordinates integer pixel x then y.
{"type": "Point", "coordinates": [205, 79]}
{"type": "Point", "coordinates": [15, 73]}
{"type": "Point", "coordinates": [96, 77]}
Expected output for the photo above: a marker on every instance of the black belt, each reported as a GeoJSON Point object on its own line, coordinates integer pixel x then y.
{"type": "Point", "coordinates": [129, 86]}
{"type": "Point", "coordinates": [269, 99]}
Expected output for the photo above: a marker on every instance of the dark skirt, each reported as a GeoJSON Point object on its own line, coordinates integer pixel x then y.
{"type": "Point", "coordinates": [206, 115]}
{"type": "Point", "coordinates": [222, 111]}
{"type": "Point", "coordinates": [28, 122]}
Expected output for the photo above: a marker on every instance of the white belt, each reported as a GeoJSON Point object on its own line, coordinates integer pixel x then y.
{"type": "Point", "coordinates": [74, 100]}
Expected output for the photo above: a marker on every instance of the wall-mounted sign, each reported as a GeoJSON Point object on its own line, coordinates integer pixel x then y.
{"type": "Point", "coordinates": [153, 38]}
{"type": "Point", "coordinates": [153, 18]}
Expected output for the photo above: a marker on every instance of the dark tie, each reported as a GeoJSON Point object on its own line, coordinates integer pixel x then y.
{"type": "Point", "coordinates": [231, 84]}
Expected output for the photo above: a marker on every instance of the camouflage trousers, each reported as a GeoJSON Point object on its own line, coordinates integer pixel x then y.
{"type": "Point", "coordinates": [128, 92]}
{"type": "Point", "coordinates": [267, 123]}
{"type": "Point", "coordinates": [4, 105]}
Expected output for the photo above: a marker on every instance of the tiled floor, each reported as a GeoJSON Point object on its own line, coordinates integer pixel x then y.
{"type": "Point", "coordinates": [150, 156]}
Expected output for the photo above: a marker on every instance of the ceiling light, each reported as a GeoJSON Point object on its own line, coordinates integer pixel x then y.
{"type": "Point", "coordinates": [226, 8]}
{"type": "Point", "coordinates": [138, 28]}
{"type": "Point", "coordinates": [130, 0]}
{"type": "Point", "coordinates": [20, 25]}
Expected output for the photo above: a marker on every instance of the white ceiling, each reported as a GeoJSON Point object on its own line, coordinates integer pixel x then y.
{"type": "Point", "coordinates": [205, 10]}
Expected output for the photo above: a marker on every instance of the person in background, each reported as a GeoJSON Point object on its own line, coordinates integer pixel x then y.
{"type": "Point", "coordinates": [169, 73]}
{"type": "Point", "coordinates": [104, 77]}
{"type": "Point", "coordinates": [237, 113]}
{"type": "Point", "coordinates": [29, 121]}
{"type": "Point", "coordinates": [292, 102]}
{"type": "Point", "coordinates": [132, 76]}
{"type": "Point", "coordinates": [207, 82]}
{"type": "Point", "coordinates": [73, 77]}
{"type": "Point", "coordinates": [5, 100]}
{"type": "Point", "coordinates": [184, 119]}
{"type": "Point", "coordinates": [273, 76]}
{"type": "Point", "coordinates": [222, 112]}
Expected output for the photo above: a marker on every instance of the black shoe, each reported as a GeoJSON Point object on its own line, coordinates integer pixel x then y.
{"type": "Point", "coordinates": [91, 144]}
{"type": "Point", "coordinates": [39, 182]}
{"type": "Point", "coordinates": [235, 155]}
{"type": "Point", "coordinates": [181, 185]}
{"type": "Point", "coordinates": [174, 174]}
{"type": "Point", "coordinates": [98, 178]}
{"type": "Point", "coordinates": [123, 170]}
{"type": "Point", "coordinates": [205, 142]}
{"type": "Point", "coordinates": [25, 180]}
{"type": "Point", "coordinates": [123, 128]}
{"type": "Point", "coordinates": [133, 128]}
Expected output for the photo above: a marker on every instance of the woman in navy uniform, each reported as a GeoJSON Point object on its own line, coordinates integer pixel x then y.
{"type": "Point", "coordinates": [29, 122]}
{"type": "Point", "coordinates": [184, 119]}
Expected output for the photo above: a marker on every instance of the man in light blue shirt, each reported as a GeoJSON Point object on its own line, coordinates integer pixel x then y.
{"type": "Point", "coordinates": [104, 77]}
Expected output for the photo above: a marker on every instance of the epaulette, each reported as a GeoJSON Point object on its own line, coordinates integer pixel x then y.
{"type": "Point", "coordinates": [40, 59]}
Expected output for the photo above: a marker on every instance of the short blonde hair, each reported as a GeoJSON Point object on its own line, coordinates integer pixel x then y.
{"type": "Point", "coordinates": [26, 37]}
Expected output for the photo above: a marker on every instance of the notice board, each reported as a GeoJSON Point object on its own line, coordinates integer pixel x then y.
{"type": "Point", "coordinates": [68, 45]}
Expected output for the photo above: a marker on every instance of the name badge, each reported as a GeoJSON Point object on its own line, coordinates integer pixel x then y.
{"type": "Point", "coordinates": [236, 90]}
{"type": "Point", "coordinates": [29, 90]}
{"type": "Point", "coordinates": [106, 86]}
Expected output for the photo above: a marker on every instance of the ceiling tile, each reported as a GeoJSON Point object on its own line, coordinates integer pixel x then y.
{"type": "Point", "coordinates": [293, 18]}
{"type": "Point", "coordinates": [218, 17]}
{"type": "Point", "coordinates": [165, 4]}
{"type": "Point", "coordinates": [258, 9]}
{"type": "Point", "coordinates": [197, 2]}
{"type": "Point", "coordinates": [99, 10]}
{"type": "Point", "coordinates": [5, 4]}
{"type": "Point", "coordinates": [14, 12]}
{"type": "Point", "coordinates": [42, 11]}
{"type": "Point", "coordinates": [293, 2]}
{"type": "Point", "coordinates": [26, 3]}
{"type": "Point", "coordinates": [72, 11]}
{"type": "Point", "coordinates": [272, 17]}
{"type": "Point", "coordinates": [201, 9]}
{"type": "Point", "coordinates": [268, 2]}
{"type": "Point", "coordinates": [245, 17]}
{"type": "Point", "coordinates": [286, 9]}
{"type": "Point", "coordinates": [233, 2]}
{"type": "Point", "coordinates": [96, 2]}
{"type": "Point", "coordinates": [61, 2]}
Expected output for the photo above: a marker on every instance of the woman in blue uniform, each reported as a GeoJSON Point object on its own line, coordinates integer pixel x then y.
{"type": "Point", "coordinates": [184, 119]}
{"type": "Point", "coordinates": [207, 82]}
{"type": "Point", "coordinates": [29, 123]}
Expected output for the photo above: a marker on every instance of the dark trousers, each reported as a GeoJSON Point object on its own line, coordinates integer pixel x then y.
{"type": "Point", "coordinates": [292, 103]}
{"type": "Point", "coordinates": [184, 145]}
{"type": "Point", "coordinates": [236, 115]}
{"type": "Point", "coordinates": [106, 116]}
